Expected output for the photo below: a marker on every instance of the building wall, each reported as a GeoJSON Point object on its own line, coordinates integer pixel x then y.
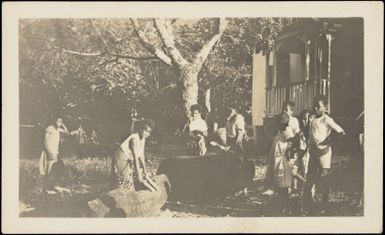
{"type": "Point", "coordinates": [346, 84]}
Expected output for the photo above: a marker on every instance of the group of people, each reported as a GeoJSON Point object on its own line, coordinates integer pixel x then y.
{"type": "Point", "coordinates": [128, 168]}
{"type": "Point", "coordinates": [301, 152]}
{"type": "Point", "coordinates": [300, 155]}
{"type": "Point", "coordinates": [225, 132]}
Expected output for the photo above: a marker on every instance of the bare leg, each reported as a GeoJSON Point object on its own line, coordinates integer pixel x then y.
{"type": "Point", "coordinates": [222, 147]}
{"type": "Point", "coordinates": [309, 189]}
{"type": "Point", "coordinates": [300, 177]}
{"type": "Point", "coordinates": [150, 184]}
{"type": "Point", "coordinates": [283, 194]}
{"type": "Point", "coordinates": [324, 185]}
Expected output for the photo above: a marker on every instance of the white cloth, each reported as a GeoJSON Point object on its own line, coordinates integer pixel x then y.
{"type": "Point", "coordinates": [125, 146]}
{"type": "Point", "coordinates": [198, 125]}
{"type": "Point", "coordinates": [234, 124]}
{"type": "Point", "coordinates": [320, 129]}
{"type": "Point", "coordinates": [278, 170]}
{"type": "Point", "coordinates": [294, 125]}
{"type": "Point", "coordinates": [280, 146]}
{"type": "Point", "coordinates": [46, 162]}
{"type": "Point", "coordinates": [52, 140]}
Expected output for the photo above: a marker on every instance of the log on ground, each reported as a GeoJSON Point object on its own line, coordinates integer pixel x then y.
{"type": "Point", "coordinates": [126, 203]}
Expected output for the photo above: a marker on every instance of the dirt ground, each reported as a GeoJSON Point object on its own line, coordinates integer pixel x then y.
{"type": "Point", "coordinates": [87, 178]}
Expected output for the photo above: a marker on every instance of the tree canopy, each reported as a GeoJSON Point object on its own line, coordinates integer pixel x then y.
{"type": "Point", "coordinates": [100, 71]}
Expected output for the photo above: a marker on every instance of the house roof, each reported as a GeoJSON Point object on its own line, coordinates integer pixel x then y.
{"type": "Point", "coordinates": [327, 25]}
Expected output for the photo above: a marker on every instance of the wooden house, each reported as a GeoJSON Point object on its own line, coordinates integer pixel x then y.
{"type": "Point", "coordinates": [310, 57]}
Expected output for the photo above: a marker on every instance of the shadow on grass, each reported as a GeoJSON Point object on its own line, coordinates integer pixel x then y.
{"type": "Point", "coordinates": [52, 206]}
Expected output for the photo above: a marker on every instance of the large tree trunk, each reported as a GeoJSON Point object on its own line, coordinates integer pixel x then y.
{"type": "Point", "coordinates": [189, 78]}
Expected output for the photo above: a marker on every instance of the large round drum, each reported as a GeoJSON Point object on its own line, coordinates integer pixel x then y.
{"type": "Point", "coordinates": [195, 179]}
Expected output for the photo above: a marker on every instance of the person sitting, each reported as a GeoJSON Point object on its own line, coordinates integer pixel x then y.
{"type": "Point", "coordinates": [218, 137]}
{"type": "Point", "coordinates": [197, 132]}
{"type": "Point", "coordinates": [233, 136]}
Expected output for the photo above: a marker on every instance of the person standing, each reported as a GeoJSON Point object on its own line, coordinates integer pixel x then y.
{"type": "Point", "coordinates": [80, 135]}
{"type": "Point", "coordinates": [320, 150]}
{"type": "Point", "coordinates": [300, 154]}
{"type": "Point", "coordinates": [50, 155]}
{"type": "Point", "coordinates": [287, 113]}
{"type": "Point", "coordinates": [279, 172]}
{"type": "Point", "coordinates": [128, 168]}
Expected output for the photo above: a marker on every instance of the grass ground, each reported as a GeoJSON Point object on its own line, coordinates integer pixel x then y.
{"type": "Point", "coordinates": [87, 178]}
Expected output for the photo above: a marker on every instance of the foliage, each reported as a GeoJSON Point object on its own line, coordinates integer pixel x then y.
{"type": "Point", "coordinates": [105, 89]}
{"type": "Point", "coordinates": [228, 70]}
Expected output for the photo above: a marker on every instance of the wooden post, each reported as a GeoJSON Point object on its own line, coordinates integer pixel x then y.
{"type": "Point", "coordinates": [328, 82]}
{"type": "Point", "coordinates": [260, 74]}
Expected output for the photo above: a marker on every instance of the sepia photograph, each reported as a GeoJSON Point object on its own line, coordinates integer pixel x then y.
{"type": "Point", "coordinates": [193, 117]}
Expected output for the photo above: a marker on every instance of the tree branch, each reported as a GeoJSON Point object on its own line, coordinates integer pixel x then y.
{"type": "Point", "coordinates": [116, 54]}
{"type": "Point", "coordinates": [123, 56]}
{"type": "Point", "coordinates": [205, 51]}
{"type": "Point", "coordinates": [143, 40]}
{"type": "Point", "coordinates": [167, 38]}
{"type": "Point", "coordinates": [100, 35]}
{"type": "Point", "coordinates": [141, 58]}
{"type": "Point", "coordinates": [92, 54]}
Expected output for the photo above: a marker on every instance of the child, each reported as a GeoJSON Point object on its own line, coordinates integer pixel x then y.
{"type": "Point", "coordinates": [301, 155]}
{"type": "Point", "coordinates": [278, 172]}
{"type": "Point", "coordinates": [293, 125]}
{"type": "Point", "coordinates": [196, 143]}
{"type": "Point", "coordinates": [287, 112]}
{"type": "Point", "coordinates": [320, 150]}
{"type": "Point", "coordinates": [287, 117]}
